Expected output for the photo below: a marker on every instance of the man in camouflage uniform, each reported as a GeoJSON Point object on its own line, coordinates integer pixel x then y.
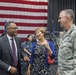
{"type": "Point", "coordinates": [67, 48]}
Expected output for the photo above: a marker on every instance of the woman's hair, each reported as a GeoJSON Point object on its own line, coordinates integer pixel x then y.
{"type": "Point", "coordinates": [28, 36]}
{"type": "Point", "coordinates": [40, 29]}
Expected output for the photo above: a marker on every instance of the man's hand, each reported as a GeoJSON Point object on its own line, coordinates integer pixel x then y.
{"type": "Point", "coordinates": [48, 48]}
{"type": "Point", "coordinates": [26, 58]}
{"type": "Point", "coordinates": [13, 70]}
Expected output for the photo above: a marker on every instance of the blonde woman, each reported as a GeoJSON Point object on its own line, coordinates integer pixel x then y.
{"type": "Point", "coordinates": [40, 51]}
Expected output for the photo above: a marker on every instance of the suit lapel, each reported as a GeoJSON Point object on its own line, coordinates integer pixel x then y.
{"type": "Point", "coordinates": [8, 45]}
{"type": "Point", "coordinates": [18, 47]}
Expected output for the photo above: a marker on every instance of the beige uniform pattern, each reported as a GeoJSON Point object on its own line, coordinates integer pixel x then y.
{"type": "Point", "coordinates": [67, 53]}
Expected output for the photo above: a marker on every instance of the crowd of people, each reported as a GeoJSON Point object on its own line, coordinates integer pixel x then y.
{"type": "Point", "coordinates": [35, 54]}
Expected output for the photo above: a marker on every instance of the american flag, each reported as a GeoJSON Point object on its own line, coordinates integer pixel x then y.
{"type": "Point", "coordinates": [27, 14]}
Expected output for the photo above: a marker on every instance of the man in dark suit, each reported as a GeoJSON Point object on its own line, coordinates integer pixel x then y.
{"type": "Point", "coordinates": [9, 61]}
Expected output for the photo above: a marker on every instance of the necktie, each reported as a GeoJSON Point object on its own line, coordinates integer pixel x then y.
{"type": "Point", "coordinates": [14, 52]}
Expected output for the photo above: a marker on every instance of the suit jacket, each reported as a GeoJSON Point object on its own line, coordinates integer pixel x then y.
{"type": "Point", "coordinates": [6, 58]}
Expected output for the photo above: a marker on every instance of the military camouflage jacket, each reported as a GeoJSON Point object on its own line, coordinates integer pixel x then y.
{"type": "Point", "coordinates": [67, 53]}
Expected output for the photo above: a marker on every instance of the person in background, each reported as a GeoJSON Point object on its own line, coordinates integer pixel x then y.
{"type": "Point", "coordinates": [38, 64]}
{"type": "Point", "coordinates": [60, 33]}
{"type": "Point", "coordinates": [67, 47]}
{"type": "Point", "coordinates": [10, 47]}
{"type": "Point", "coordinates": [58, 39]}
{"type": "Point", "coordinates": [27, 46]}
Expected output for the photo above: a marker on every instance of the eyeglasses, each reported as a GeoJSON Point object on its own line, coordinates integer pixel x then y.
{"type": "Point", "coordinates": [14, 28]}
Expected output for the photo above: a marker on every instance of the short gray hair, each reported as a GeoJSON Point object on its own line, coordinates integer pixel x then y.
{"type": "Point", "coordinates": [69, 12]}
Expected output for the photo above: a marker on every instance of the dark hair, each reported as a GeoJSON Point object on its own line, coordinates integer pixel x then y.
{"type": "Point", "coordinates": [7, 24]}
{"type": "Point", "coordinates": [28, 36]}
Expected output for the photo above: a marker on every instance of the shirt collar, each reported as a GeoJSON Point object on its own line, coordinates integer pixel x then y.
{"type": "Point", "coordinates": [9, 37]}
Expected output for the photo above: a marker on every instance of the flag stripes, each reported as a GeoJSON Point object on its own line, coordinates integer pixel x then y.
{"type": "Point", "coordinates": [27, 14]}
